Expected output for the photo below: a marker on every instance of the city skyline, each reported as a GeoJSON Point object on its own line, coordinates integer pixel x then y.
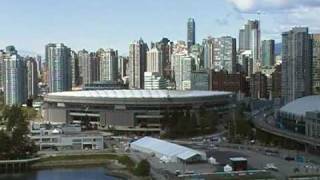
{"type": "Point", "coordinates": [109, 24]}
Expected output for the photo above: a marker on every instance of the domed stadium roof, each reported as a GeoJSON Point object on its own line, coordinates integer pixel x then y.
{"type": "Point", "coordinates": [302, 105]}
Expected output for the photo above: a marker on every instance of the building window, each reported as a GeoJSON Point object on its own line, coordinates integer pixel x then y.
{"type": "Point", "coordinates": [76, 140]}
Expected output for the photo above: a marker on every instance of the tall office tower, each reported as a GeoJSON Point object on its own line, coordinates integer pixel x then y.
{"type": "Point", "coordinates": [179, 49]}
{"type": "Point", "coordinates": [39, 65]}
{"type": "Point", "coordinates": [196, 52]}
{"type": "Point", "coordinates": [74, 63]}
{"type": "Point", "coordinates": [296, 64]}
{"type": "Point", "coordinates": [267, 53]}
{"type": "Point", "coordinates": [220, 54]}
{"type": "Point", "coordinates": [14, 76]}
{"type": "Point", "coordinates": [183, 66]}
{"type": "Point", "coordinates": [242, 39]}
{"type": "Point", "coordinates": [122, 66]}
{"type": "Point", "coordinates": [153, 80]}
{"type": "Point", "coordinates": [2, 69]}
{"type": "Point", "coordinates": [109, 65]}
{"type": "Point", "coordinates": [166, 47]}
{"type": "Point", "coordinates": [258, 86]}
{"type": "Point", "coordinates": [59, 67]}
{"type": "Point", "coordinates": [207, 52]}
{"type": "Point", "coordinates": [155, 61]}
{"type": "Point", "coordinates": [249, 39]}
{"type": "Point", "coordinates": [276, 82]}
{"type": "Point", "coordinates": [137, 59]}
{"type": "Point", "coordinates": [95, 66]}
{"type": "Point", "coordinates": [32, 77]}
{"type": "Point", "coordinates": [246, 62]}
{"type": "Point", "coordinates": [315, 64]}
{"type": "Point", "coordinates": [191, 33]}
{"type": "Point", "coordinates": [85, 67]}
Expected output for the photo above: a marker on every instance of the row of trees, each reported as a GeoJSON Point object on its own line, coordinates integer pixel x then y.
{"type": "Point", "coordinates": [185, 123]}
{"type": "Point", "coordinates": [14, 140]}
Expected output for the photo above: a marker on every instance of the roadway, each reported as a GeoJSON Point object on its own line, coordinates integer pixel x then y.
{"type": "Point", "coordinates": [261, 122]}
{"type": "Point", "coordinates": [256, 156]}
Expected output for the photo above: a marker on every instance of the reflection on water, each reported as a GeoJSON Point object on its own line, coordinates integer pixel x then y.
{"type": "Point", "coordinates": [61, 174]}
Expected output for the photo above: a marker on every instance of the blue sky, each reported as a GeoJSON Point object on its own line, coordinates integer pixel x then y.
{"type": "Point", "coordinates": [93, 24]}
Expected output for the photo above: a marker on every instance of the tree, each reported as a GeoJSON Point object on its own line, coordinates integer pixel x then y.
{"type": "Point", "coordinates": [194, 122]}
{"type": "Point", "coordinates": [203, 119]}
{"type": "Point", "coordinates": [213, 120]}
{"type": "Point", "coordinates": [190, 128]}
{"type": "Point", "coordinates": [143, 168]}
{"type": "Point", "coordinates": [14, 117]}
{"type": "Point", "coordinates": [5, 145]}
{"type": "Point", "coordinates": [15, 144]}
{"type": "Point", "coordinates": [29, 113]}
{"type": "Point", "coordinates": [165, 120]}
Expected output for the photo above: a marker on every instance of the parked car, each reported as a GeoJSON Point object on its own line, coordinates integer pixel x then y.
{"type": "Point", "coordinates": [271, 166]}
{"type": "Point", "coordinates": [289, 158]}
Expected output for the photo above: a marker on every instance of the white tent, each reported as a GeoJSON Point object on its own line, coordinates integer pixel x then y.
{"type": "Point", "coordinates": [212, 160]}
{"type": "Point", "coordinates": [227, 168]}
{"type": "Point", "coordinates": [160, 148]}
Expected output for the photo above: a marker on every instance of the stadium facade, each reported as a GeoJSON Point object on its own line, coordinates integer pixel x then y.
{"type": "Point", "coordinates": [301, 116]}
{"type": "Point", "coordinates": [130, 110]}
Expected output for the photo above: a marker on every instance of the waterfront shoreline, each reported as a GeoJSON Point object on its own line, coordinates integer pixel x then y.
{"type": "Point", "coordinates": [118, 165]}
{"type": "Point", "coordinates": [109, 163]}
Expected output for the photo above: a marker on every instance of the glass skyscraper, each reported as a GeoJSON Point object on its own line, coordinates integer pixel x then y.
{"type": "Point", "coordinates": [267, 53]}
{"type": "Point", "coordinates": [14, 79]}
{"type": "Point", "coordinates": [109, 65]}
{"type": "Point", "coordinates": [296, 64]}
{"type": "Point", "coordinates": [59, 67]}
{"type": "Point", "coordinates": [249, 39]}
{"type": "Point", "coordinates": [191, 33]}
{"type": "Point", "coordinates": [137, 64]}
{"type": "Point", "coordinates": [316, 64]}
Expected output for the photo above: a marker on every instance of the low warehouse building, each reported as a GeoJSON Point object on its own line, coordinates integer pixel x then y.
{"type": "Point", "coordinates": [165, 150]}
{"type": "Point", "coordinates": [62, 137]}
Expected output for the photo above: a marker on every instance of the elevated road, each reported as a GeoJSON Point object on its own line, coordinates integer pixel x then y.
{"type": "Point", "coordinates": [259, 121]}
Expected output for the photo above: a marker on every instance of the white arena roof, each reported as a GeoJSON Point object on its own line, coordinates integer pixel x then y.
{"type": "Point", "coordinates": [138, 93]}
{"type": "Point", "coordinates": [300, 106]}
{"type": "Point", "coordinates": [165, 149]}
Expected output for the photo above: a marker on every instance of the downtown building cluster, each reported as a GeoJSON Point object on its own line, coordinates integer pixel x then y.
{"type": "Point", "coordinates": [19, 76]}
{"type": "Point", "coordinates": [250, 69]}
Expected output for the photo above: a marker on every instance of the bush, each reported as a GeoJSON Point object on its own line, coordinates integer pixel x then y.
{"type": "Point", "coordinates": [127, 161]}
{"type": "Point", "coordinates": [143, 168]}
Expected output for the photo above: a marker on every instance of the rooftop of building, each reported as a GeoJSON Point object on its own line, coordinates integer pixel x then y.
{"type": "Point", "coordinates": [139, 93]}
{"type": "Point", "coordinates": [165, 148]}
{"type": "Point", "coordinates": [302, 105]}
{"type": "Point", "coordinates": [62, 129]}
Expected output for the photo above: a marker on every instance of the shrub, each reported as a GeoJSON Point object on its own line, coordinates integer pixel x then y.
{"type": "Point", "coordinates": [143, 168]}
{"type": "Point", "coordinates": [127, 161]}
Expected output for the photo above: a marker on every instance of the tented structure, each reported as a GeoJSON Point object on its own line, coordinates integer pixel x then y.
{"type": "Point", "coordinates": [212, 160]}
{"type": "Point", "coordinates": [172, 152]}
{"type": "Point", "coordinates": [227, 168]}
